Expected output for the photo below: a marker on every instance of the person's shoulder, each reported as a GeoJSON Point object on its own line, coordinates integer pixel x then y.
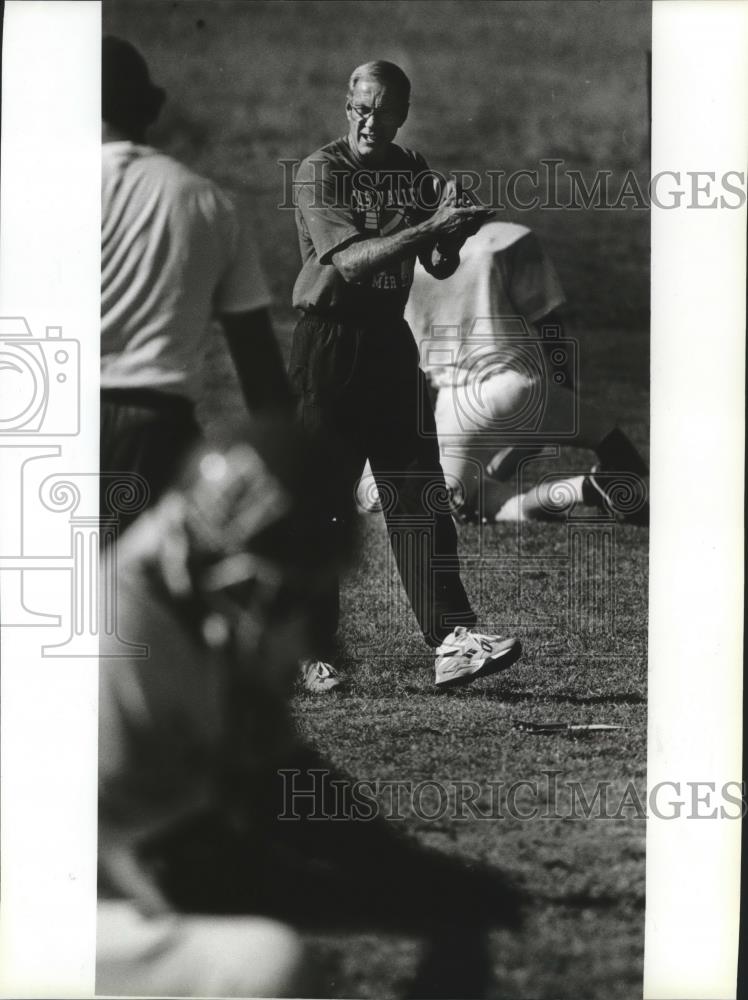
{"type": "Point", "coordinates": [337, 149]}
{"type": "Point", "coordinates": [190, 188]}
{"type": "Point", "coordinates": [335, 154]}
{"type": "Point", "coordinates": [173, 172]}
{"type": "Point", "coordinates": [182, 176]}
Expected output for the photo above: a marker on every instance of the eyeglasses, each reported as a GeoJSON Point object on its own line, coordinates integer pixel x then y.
{"type": "Point", "coordinates": [362, 113]}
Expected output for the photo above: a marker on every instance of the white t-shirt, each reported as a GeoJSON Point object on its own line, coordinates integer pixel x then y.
{"type": "Point", "coordinates": [173, 255]}
{"type": "Point", "coordinates": [478, 321]}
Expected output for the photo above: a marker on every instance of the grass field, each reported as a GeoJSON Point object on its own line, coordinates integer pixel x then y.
{"type": "Point", "coordinates": [393, 726]}
{"type": "Point", "coordinates": [496, 86]}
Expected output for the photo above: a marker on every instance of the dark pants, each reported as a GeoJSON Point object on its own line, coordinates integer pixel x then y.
{"type": "Point", "coordinates": [144, 432]}
{"type": "Point", "coordinates": [360, 386]}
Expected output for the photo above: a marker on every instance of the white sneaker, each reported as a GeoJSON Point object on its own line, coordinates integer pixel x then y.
{"type": "Point", "coordinates": [318, 677]}
{"type": "Point", "coordinates": [466, 654]}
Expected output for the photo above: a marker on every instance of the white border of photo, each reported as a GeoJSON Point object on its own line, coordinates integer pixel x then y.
{"type": "Point", "coordinates": [49, 275]}
{"type": "Point", "coordinates": [700, 123]}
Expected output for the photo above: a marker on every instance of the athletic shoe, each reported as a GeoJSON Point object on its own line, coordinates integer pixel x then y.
{"type": "Point", "coordinates": [466, 654]}
{"type": "Point", "coordinates": [622, 496]}
{"type": "Point", "coordinates": [318, 677]}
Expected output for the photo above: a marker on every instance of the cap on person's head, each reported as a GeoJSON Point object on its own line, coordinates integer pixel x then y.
{"type": "Point", "coordinates": [264, 503]}
{"type": "Point", "coordinates": [130, 100]}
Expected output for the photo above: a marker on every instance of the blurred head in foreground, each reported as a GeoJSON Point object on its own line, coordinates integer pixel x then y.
{"type": "Point", "coordinates": [243, 541]}
{"type": "Point", "coordinates": [130, 101]}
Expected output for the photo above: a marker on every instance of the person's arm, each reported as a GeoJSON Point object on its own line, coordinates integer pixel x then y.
{"type": "Point", "coordinates": [442, 260]}
{"type": "Point", "coordinates": [124, 874]}
{"type": "Point", "coordinates": [355, 261]}
{"type": "Point", "coordinates": [258, 361]}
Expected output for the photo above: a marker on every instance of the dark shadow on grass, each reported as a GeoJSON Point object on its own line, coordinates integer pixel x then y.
{"type": "Point", "coordinates": [521, 697]}
{"type": "Point", "coordinates": [303, 854]}
{"type": "Point", "coordinates": [618, 698]}
{"type": "Point", "coordinates": [586, 901]}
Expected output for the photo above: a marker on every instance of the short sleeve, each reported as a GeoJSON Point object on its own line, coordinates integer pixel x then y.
{"type": "Point", "coordinates": [243, 287]}
{"type": "Point", "coordinates": [320, 194]}
{"type": "Point", "coordinates": [531, 280]}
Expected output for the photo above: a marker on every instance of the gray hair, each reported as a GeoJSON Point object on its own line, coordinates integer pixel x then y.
{"type": "Point", "coordinates": [384, 72]}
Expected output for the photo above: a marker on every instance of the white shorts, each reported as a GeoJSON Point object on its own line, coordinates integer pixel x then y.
{"type": "Point", "coordinates": [478, 418]}
{"type": "Point", "coordinates": [474, 421]}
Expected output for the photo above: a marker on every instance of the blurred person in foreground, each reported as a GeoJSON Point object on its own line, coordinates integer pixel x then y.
{"type": "Point", "coordinates": [200, 881]}
{"type": "Point", "coordinates": [366, 208]}
{"type": "Point", "coordinates": [494, 347]}
{"type": "Point", "coordinates": [175, 255]}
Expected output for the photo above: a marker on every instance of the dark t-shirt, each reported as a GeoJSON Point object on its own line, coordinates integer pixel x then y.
{"type": "Point", "coordinates": [340, 201]}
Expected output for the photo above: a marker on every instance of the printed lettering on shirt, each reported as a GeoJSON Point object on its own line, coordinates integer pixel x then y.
{"type": "Point", "coordinates": [383, 205]}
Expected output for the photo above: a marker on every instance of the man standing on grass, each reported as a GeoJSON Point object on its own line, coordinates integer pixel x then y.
{"type": "Point", "coordinates": [365, 209]}
{"type": "Point", "coordinates": [174, 256]}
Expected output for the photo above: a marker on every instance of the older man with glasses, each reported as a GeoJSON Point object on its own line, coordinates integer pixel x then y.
{"type": "Point", "coordinates": [366, 208]}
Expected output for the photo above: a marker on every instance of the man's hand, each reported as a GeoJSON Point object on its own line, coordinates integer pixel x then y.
{"type": "Point", "coordinates": [443, 258]}
{"type": "Point", "coordinates": [451, 243]}
{"type": "Point", "coordinates": [364, 256]}
{"type": "Point", "coordinates": [453, 221]}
